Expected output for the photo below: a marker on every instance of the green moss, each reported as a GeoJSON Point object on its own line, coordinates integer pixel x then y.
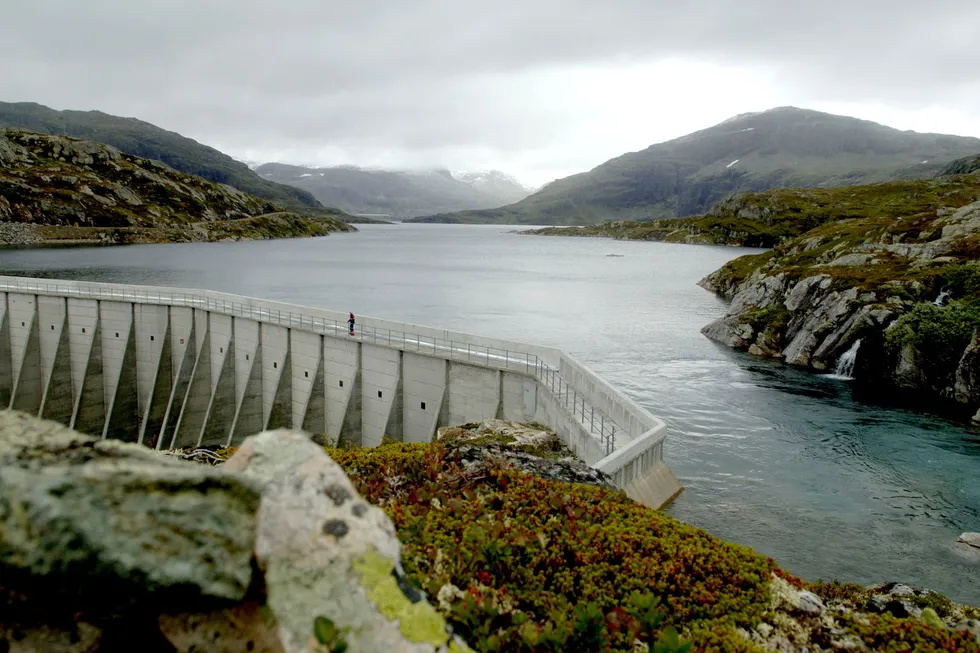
{"type": "Point", "coordinates": [838, 591]}
{"type": "Point", "coordinates": [934, 601]}
{"type": "Point", "coordinates": [418, 622]}
{"type": "Point", "coordinates": [888, 634]}
{"type": "Point", "coordinates": [940, 334]}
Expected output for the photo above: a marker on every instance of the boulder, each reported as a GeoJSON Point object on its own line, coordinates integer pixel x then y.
{"type": "Point", "coordinates": [110, 546]}
{"type": "Point", "coordinates": [730, 331]}
{"type": "Point", "coordinates": [970, 539]}
{"type": "Point", "coordinates": [325, 554]}
{"type": "Point", "coordinates": [78, 514]}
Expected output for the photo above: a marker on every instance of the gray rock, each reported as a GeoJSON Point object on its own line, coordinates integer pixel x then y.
{"type": "Point", "coordinates": [324, 552]}
{"type": "Point", "coordinates": [760, 294]}
{"type": "Point", "coordinates": [964, 221]}
{"type": "Point", "coordinates": [567, 470]}
{"type": "Point", "coordinates": [810, 603]}
{"type": "Point", "coordinates": [731, 332]}
{"type": "Point", "coordinates": [966, 388]}
{"type": "Point", "coordinates": [852, 259]}
{"type": "Point", "coordinates": [802, 292]}
{"type": "Point", "coordinates": [971, 539]}
{"type": "Point", "coordinates": [107, 525]}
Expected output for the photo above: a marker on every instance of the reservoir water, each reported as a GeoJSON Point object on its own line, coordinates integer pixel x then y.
{"type": "Point", "coordinates": [775, 458]}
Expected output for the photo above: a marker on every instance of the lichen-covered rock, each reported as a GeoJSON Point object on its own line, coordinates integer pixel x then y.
{"type": "Point", "coordinates": [532, 449]}
{"type": "Point", "coordinates": [79, 514]}
{"type": "Point", "coordinates": [331, 562]}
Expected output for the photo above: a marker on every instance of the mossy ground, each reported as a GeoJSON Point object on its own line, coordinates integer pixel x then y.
{"type": "Point", "coordinates": [519, 563]}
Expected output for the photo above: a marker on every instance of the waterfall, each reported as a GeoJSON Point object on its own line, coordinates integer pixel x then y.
{"type": "Point", "coordinates": [845, 364]}
{"type": "Point", "coordinates": [943, 296]}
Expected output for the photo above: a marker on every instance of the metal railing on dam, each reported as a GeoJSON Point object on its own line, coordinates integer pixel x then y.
{"type": "Point", "coordinates": [176, 367]}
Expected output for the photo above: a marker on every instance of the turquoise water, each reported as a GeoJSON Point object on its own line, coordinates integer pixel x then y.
{"type": "Point", "coordinates": [781, 460]}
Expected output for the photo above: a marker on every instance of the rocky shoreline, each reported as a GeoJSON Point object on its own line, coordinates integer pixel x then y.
{"type": "Point", "coordinates": [898, 296]}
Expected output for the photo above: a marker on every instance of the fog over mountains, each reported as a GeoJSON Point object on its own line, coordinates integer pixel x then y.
{"type": "Point", "coordinates": [398, 194]}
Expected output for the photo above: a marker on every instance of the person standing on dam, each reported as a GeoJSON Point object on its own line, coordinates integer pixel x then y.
{"type": "Point", "coordinates": [350, 324]}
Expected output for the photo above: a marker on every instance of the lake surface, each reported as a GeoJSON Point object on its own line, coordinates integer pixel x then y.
{"type": "Point", "coordinates": [775, 458]}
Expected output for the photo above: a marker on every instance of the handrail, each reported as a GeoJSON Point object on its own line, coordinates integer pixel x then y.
{"type": "Point", "coordinates": [593, 419]}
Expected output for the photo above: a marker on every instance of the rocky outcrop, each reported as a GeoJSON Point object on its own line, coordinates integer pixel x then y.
{"type": "Point", "coordinates": [104, 545]}
{"type": "Point", "coordinates": [57, 188]}
{"type": "Point", "coordinates": [534, 450]}
{"type": "Point", "coordinates": [875, 280]}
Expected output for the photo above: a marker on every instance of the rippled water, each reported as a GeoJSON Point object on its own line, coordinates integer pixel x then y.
{"type": "Point", "coordinates": [772, 457]}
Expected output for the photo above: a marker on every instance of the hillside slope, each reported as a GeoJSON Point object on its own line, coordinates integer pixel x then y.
{"type": "Point", "coordinates": [398, 194]}
{"type": "Point", "coordinates": [148, 141]}
{"type": "Point", "coordinates": [56, 189]}
{"type": "Point", "coordinates": [774, 216]}
{"type": "Point", "coordinates": [782, 147]}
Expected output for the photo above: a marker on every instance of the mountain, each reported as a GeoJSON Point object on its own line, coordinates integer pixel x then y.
{"type": "Point", "coordinates": [62, 189]}
{"type": "Point", "coordinates": [965, 166]}
{"type": "Point", "coordinates": [398, 194]}
{"type": "Point", "coordinates": [148, 141]}
{"type": "Point", "coordinates": [782, 147]}
{"type": "Point", "coordinates": [772, 217]}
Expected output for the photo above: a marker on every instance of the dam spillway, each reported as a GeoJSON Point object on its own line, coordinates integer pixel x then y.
{"type": "Point", "coordinates": [172, 368]}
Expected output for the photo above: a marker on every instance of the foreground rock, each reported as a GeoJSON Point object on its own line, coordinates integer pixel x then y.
{"type": "Point", "coordinates": [109, 546]}
{"type": "Point", "coordinates": [326, 554]}
{"type": "Point", "coordinates": [147, 531]}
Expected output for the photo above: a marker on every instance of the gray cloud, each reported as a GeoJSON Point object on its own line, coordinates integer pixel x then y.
{"type": "Point", "coordinates": [435, 76]}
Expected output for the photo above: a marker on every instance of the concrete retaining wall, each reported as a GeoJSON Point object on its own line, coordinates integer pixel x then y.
{"type": "Point", "coordinates": [179, 368]}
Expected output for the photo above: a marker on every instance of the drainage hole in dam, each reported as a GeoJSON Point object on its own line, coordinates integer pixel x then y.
{"type": "Point", "coordinates": [423, 405]}
{"type": "Point", "coordinates": [275, 365]}
{"type": "Point", "coordinates": [306, 374]}
{"type": "Point", "coordinates": [341, 384]}
{"type": "Point", "coordinates": [151, 338]}
{"type": "Point", "coordinates": [117, 334]}
{"type": "Point", "coordinates": [379, 394]}
{"type": "Point", "coordinates": [52, 327]}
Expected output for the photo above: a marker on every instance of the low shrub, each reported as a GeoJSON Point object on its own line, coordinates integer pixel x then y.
{"type": "Point", "coordinates": [533, 565]}
{"type": "Point", "coordinates": [940, 334]}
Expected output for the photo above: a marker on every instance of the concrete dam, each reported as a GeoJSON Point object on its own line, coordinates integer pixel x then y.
{"type": "Point", "coordinates": [172, 368]}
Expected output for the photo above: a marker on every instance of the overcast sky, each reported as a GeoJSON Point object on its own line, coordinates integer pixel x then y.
{"type": "Point", "coordinates": [537, 88]}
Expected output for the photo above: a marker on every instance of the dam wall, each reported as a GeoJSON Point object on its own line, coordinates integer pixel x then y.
{"type": "Point", "coordinates": [174, 368]}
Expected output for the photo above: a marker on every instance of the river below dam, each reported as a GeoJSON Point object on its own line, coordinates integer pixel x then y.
{"type": "Point", "coordinates": [781, 460]}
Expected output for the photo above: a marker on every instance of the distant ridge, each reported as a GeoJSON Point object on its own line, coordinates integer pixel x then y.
{"type": "Point", "coordinates": [751, 152]}
{"type": "Point", "coordinates": [398, 194]}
